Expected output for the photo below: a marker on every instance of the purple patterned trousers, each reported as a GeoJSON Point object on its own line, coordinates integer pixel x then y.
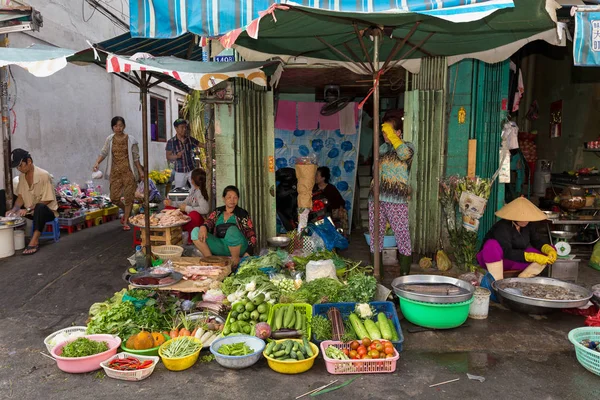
{"type": "Point", "coordinates": [397, 216]}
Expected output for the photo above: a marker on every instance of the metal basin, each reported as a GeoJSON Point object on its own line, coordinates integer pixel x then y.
{"type": "Point", "coordinates": [465, 291]}
{"type": "Point", "coordinates": [563, 234]}
{"type": "Point", "coordinates": [279, 241]}
{"type": "Point", "coordinates": [531, 305]}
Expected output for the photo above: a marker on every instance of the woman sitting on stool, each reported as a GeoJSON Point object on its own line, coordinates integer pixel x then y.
{"type": "Point", "coordinates": [513, 243]}
{"type": "Point", "coordinates": [227, 231]}
{"type": "Point", "coordinates": [196, 204]}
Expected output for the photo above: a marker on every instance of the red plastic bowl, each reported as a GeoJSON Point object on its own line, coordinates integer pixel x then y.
{"type": "Point", "coordinates": [81, 365]}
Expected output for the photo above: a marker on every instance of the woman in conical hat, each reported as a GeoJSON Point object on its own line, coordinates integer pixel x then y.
{"type": "Point", "coordinates": [513, 243]}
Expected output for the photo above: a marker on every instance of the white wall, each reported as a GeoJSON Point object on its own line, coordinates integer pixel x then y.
{"type": "Point", "coordinates": [63, 120]}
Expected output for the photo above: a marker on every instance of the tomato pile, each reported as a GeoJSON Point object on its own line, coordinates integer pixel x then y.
{"type": "Point", "coordinates": [370, 350]}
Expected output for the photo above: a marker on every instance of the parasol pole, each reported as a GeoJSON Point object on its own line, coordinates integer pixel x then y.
{"type": "Point", "coordinates": [144, 94]}
{"type": "Point", "coordinates": [377, 254]}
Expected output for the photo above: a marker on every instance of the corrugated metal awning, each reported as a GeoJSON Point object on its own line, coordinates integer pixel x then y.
{"type": "Point", "coordinates": [19, 19]}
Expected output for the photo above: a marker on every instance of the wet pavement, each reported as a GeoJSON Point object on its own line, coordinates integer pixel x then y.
{"type": "Point", "coordinates": [520, 356]}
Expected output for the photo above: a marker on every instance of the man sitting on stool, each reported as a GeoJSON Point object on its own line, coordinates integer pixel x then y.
{"type": "Point", "coordinates": [35, 196]}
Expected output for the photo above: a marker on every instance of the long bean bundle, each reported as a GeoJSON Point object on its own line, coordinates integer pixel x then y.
{"type": "Point", "coordinates": [183, 347]}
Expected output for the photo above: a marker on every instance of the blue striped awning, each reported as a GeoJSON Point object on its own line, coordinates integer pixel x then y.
{"type": "Point", "coordinates": [166, 19]}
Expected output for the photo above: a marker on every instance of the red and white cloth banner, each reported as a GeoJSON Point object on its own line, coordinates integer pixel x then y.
{"type": "Point", "coordinates": [194, 80]}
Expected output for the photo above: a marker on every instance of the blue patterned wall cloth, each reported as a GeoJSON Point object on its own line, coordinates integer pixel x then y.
{"type": "Point", "coordinates": [334, 150]}
{"type": "Point", "coordinates": [586, 45]}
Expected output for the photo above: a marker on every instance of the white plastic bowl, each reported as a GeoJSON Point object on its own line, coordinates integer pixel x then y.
{"type": "Point", "coordinates": [238, 362]}
{"type": "Point", "coordinates": [135, 375]}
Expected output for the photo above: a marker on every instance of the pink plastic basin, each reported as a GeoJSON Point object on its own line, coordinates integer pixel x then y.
{"type": "Point", "coordinates": [81, 365]}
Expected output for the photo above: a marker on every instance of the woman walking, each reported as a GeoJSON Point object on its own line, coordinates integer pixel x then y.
{"type": "Point", "coordinates": [123, 168]}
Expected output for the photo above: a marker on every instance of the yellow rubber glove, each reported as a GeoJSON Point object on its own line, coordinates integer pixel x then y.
{"type": "Point", "coordinates": [550, 252]}
{"type": "Point", "coordinates": [390, 134]}
{"type": "Point", "coordinates": [537, 258]}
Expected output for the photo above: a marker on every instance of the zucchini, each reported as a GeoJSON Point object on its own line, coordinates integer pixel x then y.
{"type": "Point", "coordinates": [358, 326]}
{"type": "Point", "coordinates": [303, 323]}
{"type": "Point", "coordinates": [293, 321]}
{"type": "Point", "coordinates": [278, 318]}
{"type": "Point", "coordinates": [287, 320]}
{"type": "Point", "coordinates": [384, 326]}
{"type": "Point", "coordinates": [269, 349]}
{"type": "Point", "coordinates": [393, 329]}
{"type": "Point", "coordinates": [372, 329]}
{"type": "Point", "coordinates": [278, 354]}
{"type": "Point", "coordinates": [307, 347]}
{"type": "Point", "coordinates": [298, 324]}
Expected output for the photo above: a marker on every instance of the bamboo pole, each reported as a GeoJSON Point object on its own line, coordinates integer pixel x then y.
{"type": "Point", "coordinates": [377, 254]}
{"type": "Point", "coordinates": [144, 94]}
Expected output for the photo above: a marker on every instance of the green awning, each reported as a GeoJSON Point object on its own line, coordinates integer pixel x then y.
{"type": "Point", "coordinates": [40, 60]}
{"type": "Point", "coordinates": [314, 34]}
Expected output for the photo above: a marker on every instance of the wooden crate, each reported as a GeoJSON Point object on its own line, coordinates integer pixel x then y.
{"type": "Point", "coordinates": [163, 236]}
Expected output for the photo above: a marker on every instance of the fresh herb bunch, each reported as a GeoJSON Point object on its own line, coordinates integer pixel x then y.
{"type": "Point", "coordinates": [83, 347]}
{"type": "Point", "coordinates": [140, 294]}
{"type": "Point", "coordinates": [360, 288]}
{"type": "Point", "coordinates": [321, 290]}
{"type": "Point", "coordinates": [321, 327]}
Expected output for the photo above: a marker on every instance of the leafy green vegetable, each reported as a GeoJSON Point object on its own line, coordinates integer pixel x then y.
{"type": "Point", "coordinates": [252, 265]}
{"type": "Point", "coordinates": [140, 294]}
{"type": "Point", "coordinates": [118, 320]}
{"type": "Point", "coordinates": [97, 308]}
{"type": "Point", "coordinates": [349, 334]}
{"type": "Point", "coordinates": [150, 318]}
{"type": "Point", "coordinates": [360, 288]}
{"type": "Point", "coordinates": [83, 347]}
{"type": "Point", "coordinates": [321, 327]}
{"type": "Point", "coordinates": [321, 290]}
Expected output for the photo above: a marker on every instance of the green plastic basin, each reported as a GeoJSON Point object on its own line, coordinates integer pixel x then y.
{"type": "Point", "coordinates": [435, 315]}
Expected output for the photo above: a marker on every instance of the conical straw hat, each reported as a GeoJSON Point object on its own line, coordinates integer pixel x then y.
{"type": "Point", "coordinates": [521, 210]}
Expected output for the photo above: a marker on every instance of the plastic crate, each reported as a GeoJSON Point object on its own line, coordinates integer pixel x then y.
{"type": "Point", "coordinates": [302, 307]}
{"type": "Point", "coordinates": [113, 210]}
{"type": "Point", "coordinates": [92, 215]}
{"type": "Point", "coordinates": [71, 221]}
{"type": "Point", "coordinates": [386, 307]}
{"type": "Point", "coordinates": [339, 367]}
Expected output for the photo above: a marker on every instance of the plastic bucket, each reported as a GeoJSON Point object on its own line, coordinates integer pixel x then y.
{"type": "Point", "coordinates": [19, 237]}
{"type": "Point", "coordinates": [7, 243]}
{"type": "Point", "coordinates": [481, 304]}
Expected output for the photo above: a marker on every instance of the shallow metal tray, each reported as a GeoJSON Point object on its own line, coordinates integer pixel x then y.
{"type": "Point", "coordinates": [175, 275]}
{"type": "Point", "coordinates": [428, 280]}
{"type": "Point", "coordinates": [540, 303]}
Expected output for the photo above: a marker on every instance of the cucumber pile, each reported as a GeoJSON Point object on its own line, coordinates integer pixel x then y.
{"type": "Point", "coordinates": [289, 350]}
{"type": "Point", "coordinates": [245, 314]}
{"type": "Point", "coordinates": [288, 322]}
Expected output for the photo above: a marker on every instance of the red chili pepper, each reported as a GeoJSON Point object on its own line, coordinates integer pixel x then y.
{"type": "Point", "coordinates": [145, 364]}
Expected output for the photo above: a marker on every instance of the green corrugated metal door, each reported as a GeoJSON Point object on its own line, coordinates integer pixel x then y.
{"type": "Point", "coordinates": [255, 138]}
{"type": "Point", "coordinates": [489, 112]}
{"type": "Point", "coordinates": [424, 126]}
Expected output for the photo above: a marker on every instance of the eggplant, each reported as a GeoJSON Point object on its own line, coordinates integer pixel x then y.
{"type": "Point", "coordinates": [287, 334]}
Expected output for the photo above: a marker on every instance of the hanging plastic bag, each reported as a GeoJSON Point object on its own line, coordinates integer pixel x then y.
{"type": "Point", "coordinates": [331, 237]}
{"type": "Point", "coordinates": [595, 259]}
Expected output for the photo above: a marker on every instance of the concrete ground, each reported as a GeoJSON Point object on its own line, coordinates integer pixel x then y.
{"type": "Point", "coordinates": [520, 356]}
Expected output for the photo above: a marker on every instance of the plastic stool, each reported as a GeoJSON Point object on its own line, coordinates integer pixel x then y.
{"type": "Point", "coordinates": [51, 231]}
